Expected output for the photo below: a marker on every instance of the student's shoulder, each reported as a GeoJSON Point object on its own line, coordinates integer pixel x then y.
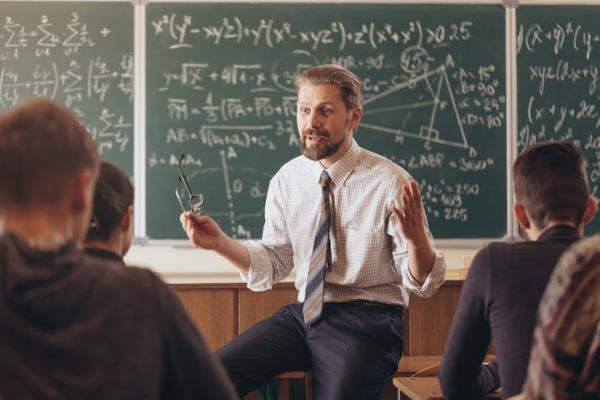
{"type": "Point", "coordinates": [499, 248]}
{"type": "Point", "coordinates": [525, 248]}
{"type": "Point", "coordinates": [498, 258]}
{"type": "Point", "coordinates": [499, 251]}
{"type": "Point", "coordinates": [502, 247]}
{"type": "Point", "coordinates": [492, 255]}
{"type": "Point", "coordinates": [145, 278]}
{"type": "Point", "coordinates": [117, 275]}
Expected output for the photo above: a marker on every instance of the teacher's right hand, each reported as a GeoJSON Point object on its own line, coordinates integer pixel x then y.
{"type": "Point", "coordinates": [202, 231]}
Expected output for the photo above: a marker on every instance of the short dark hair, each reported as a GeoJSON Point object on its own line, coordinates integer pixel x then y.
{"type": "Point", "coordinates": [330, 74]}
{"type": "Point", "coordinates": [551, 182]}
{"type": "Point", "coordinates": [112, 198]}
{"type": "Point", "coordinates": [42, 148]}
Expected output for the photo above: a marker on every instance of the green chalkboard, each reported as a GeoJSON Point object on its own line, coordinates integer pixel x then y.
{"type": "Point", "coordinates": [218, 88]}
{"type": "Point", "coordinates": [558, 61]}
{"type": "Point", "coordinates": [79, 54]}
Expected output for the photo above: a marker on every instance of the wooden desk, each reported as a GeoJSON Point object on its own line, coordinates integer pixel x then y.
{"type": "Point", "coordinates": [409, 365]}
{"type": "Point", "coordinates": [419, 388]}
{"type": "Point", "coordinates": [425, 388]}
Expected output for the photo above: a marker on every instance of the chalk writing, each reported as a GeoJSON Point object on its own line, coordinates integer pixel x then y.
{"type": "Point", "coordinates": [559, 92]}
{"type": "Point", "coordinates": [80, 55]}
{"type": "Point", "coordinates": [221, 88]}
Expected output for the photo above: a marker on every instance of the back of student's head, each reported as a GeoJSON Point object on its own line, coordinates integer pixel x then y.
{"type": "Point", "coordinates": [42, 149]}
{"type": "Point", "coordinates": [112, 199]}
{"type": "Point", "coordinates": [551, 183]}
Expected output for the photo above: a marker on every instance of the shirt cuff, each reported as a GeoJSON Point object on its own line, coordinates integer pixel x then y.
{"type": "Point", "coordinates": [260, 273]}
{"type": "Point", "coordinates": [432, 282]}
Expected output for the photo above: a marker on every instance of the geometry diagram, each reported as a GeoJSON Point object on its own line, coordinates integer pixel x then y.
{"type": "Point", "coordinates": [422, 107]}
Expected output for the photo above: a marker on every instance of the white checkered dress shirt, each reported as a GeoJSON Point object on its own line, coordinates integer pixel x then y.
{"type": "Point", "coordinates": [369, 256]}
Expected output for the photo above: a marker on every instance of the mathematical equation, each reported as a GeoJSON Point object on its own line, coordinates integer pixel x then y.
{"type": "Point", "coordinates": [113, 131]}
{"type": "Point", "coordinates": [78, 56]}
{"type": "Point", "coordinates": [337, 35]}
{"type": "Point", "coordinates": [47, 37]}
{"type": "Point", "coordinates": [559, 91]}
{"type": "Point", "coordinates": [564, 71]}
{"type": "Point", "coordinates": [448, 201]}
{"type": "Point", "coordinates": [478, 92]}
{"type": "Point", "coordinates": [558, 37]}
{"type": "Point", "coordinates": [76, 82]}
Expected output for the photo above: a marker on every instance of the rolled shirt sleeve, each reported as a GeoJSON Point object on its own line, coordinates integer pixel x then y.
{"type": "Point", "coordinates": [271, 259]}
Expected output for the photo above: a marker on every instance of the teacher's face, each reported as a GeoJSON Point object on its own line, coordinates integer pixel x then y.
{"type": "Point", "coordinates": [324, 123]}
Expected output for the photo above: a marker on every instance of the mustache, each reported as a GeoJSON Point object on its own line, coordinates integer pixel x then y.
{"type": "Point", "coordinates": [314, 132]}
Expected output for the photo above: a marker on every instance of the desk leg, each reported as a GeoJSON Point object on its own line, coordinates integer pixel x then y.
{"type": "Point", "coordinates": [283, 389]}
{"type": "Point", "coordinates": [401, 396]}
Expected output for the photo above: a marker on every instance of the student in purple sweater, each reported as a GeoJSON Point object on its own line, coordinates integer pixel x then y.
{"type": "Point", "coordinates": [506, 281]}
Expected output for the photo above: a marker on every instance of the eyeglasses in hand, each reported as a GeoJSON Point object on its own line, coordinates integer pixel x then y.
{"type": "Point", "coordinates": [188, 201]}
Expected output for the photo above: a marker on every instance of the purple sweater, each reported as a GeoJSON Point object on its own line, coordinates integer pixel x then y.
{"type": "Point", "coordinates": [499, 304]}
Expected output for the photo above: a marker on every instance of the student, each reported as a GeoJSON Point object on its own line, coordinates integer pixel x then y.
{"type": "Point", "coordinates": [74, 326]}
{"type": "Point", "coordinates": [111, 227]}
{"type": "Point", "coordinates": [565, 359]}
{"type": "Point", "coordinates": [500, 296]}
{"type": "Point", "coordinates": [331, 214]}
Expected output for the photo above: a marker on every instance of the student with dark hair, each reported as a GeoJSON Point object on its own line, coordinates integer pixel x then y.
{"type": "Point", "coordinates": [500, 296]}
{"type": "Point", "coordinates": [111, 225]}
{"type": "Point", "coordinates": [73, 326]}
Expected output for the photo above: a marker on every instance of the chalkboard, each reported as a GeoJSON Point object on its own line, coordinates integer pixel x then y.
{"type": "Point", "coordinates": [218, 88]}
{"type": "Point", "coordinates": [558, 60]}
{"type": "Point", "coordinates": [79, 54]}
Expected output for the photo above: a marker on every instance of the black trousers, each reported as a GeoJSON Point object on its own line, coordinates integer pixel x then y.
{"type": "Point", "coordinates": [352, 350]}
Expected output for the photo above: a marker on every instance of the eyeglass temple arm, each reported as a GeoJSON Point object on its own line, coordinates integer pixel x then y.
{"type": "Point", "coordinates": [182, 176]}
{"type": "Point", "coordinates": [179, 199]}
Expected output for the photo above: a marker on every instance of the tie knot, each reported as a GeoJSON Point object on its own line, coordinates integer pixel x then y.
{"type": "Point", "coordinates": [325, 179]}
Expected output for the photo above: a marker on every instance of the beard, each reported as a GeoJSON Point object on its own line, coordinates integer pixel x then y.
{"type": "Point", "coordinates": [323, 148]}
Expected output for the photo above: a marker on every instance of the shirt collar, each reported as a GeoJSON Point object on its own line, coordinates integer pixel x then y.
{"type": "Point", "coordinates": [560, 233]}
{"type": "Point", "coordinates": [342, 168]}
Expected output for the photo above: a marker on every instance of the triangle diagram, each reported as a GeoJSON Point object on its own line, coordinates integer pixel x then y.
{"type": "Point", "coordinates": [421, 108]}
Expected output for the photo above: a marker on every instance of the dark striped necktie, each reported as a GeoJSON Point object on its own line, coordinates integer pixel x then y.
{"type": "Point", "coordinates": [313, 299]}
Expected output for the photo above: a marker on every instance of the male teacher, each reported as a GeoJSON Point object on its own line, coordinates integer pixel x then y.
{"type": "Point", "coordinates": [352, 224]}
